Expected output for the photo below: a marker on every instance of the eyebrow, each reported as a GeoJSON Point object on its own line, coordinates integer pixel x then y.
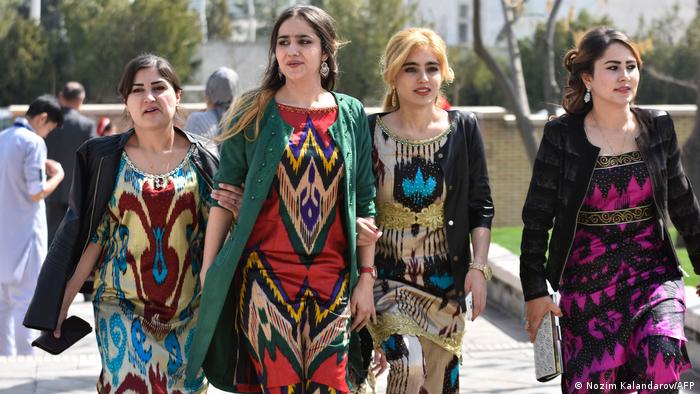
{"type": "Point", "coordinates": [416, 64]}
{"type": "Point", "coordinates": [158, 81]}
{"type": "Point", "coordinates": [297, 36]}
{"type": "Point", "coordinates": [619, 62]}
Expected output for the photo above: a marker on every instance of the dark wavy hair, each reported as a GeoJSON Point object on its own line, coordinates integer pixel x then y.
{"type": "Point", "coordinates": [250, 107]}
{"type": "Point", "coordinates": [581, 60]}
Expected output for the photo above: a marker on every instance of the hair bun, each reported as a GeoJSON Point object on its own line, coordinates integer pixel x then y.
{"type": "Point", "coordinates": [569, 59]}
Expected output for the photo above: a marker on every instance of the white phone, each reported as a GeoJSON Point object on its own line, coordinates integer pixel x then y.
{"type": "Point", "coordinates": [469, 301]}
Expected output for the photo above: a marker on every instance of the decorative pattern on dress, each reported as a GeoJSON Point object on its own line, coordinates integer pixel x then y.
{"type": "Point", "coordinates": [147, 281]}
{"type": "Point", "coordinates": [621, 296]}
{"type": "Point", "coordinates": [414, 293]}
{"type": "Point", "coordinates": [294, 295]}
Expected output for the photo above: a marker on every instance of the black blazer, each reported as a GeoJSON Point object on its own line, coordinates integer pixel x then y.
{"type": "Point", "coordinates": [468, 203]}
{"type": "Point", "coordinates": [560, 177]}
{"type": "Point", "coordinates": [96, 167]}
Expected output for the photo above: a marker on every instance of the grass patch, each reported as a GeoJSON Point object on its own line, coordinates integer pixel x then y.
{"type": "Point", "coordinates": [509, 238]}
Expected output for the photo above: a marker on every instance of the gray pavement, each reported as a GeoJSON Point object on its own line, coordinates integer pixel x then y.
{"type": "Point", "coordinates": [497, 359]}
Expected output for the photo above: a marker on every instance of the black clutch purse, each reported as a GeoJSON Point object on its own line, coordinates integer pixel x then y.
{"type": "Point", "coordinates": [72, 330]}
{"type": "Point", "coordinates": [548, 363]}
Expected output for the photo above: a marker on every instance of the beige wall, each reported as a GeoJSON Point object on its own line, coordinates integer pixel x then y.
{"type": "Point", "coordinates": [509, 168]}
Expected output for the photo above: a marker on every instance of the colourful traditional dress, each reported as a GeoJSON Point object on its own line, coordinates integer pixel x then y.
{"type": "Point", "coordinates": [414, 296]}
{"type": "Point", "coordinates": [621, 295]}
{"type": "Point", "coordinates": [294, 298]}
{"type": "Point", "coordinates": [147, 282]}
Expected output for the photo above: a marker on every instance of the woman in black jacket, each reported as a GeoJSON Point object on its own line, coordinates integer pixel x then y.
{"type": "Point", "coordinates": [606, 177]}
{"type": "Point", "coordinates": [137, 214]}
{"type": "Point", "coordinates": [433, 200]}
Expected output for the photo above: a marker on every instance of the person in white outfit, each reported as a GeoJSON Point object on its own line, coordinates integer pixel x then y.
{"type": "Point", "coordinates": [24, 169]}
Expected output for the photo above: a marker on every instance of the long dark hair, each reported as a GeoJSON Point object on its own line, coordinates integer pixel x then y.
{"type": "Point", "coordinates": [251, 105]}
{"type": "Point", "coordinates": [581, 60]}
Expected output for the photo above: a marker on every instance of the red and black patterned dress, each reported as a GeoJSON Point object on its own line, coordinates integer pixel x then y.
{"type": "Point", "coordinates": [294, 298]}
{"type": "Point", "coordinates": [621, 295]}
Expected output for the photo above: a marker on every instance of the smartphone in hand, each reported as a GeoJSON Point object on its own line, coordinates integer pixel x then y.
{"type": "Point", "coordinates": [469, 301]}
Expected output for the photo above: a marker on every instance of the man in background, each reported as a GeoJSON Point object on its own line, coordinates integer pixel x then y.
{"type": "Point", "coordinates": [23, 180]}
{"type": "Point", "coordinates": [62, 144]}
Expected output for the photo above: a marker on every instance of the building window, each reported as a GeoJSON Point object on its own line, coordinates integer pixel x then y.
{"type": "Point", "coordinates": [463, 11]}
{"type": "Point", "coordinates": [463, 32]}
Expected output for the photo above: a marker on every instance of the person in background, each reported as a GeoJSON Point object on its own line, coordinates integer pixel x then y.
{"type": "Point", "coordinates": [221, 90]}
{"type": "Point", "coordinates": [105, 127]}
{"type": "Point", "coordinates": [24, 169]}
{"type": "Point", "coordinates": [606, 177]}
{"type": "Point", "coordinates": [433, 201]}
{"type": "Point", "coordinates": [138, 210]}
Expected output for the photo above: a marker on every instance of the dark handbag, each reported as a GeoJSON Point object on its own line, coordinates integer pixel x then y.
{"type": "Point", "coordinates": [72, 330]}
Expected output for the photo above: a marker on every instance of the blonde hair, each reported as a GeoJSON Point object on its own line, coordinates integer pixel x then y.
{"type": "Point", "coordinates": [250, 107]}
{"type": "Point", "coordinates": [400, 46]}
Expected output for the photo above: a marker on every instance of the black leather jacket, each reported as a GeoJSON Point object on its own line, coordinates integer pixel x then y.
{"type": "Point", "coordinates": [560, 178]}
{"type": "Point", "coordinates": [468, 203]}
{"type": "Point", "coordinates": [95, 172]}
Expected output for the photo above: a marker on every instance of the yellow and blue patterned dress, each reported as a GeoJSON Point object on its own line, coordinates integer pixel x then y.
{"type": "Point", "coordinates": [147, 281]}
{"type": "Point", "coordinates": [419, 322]}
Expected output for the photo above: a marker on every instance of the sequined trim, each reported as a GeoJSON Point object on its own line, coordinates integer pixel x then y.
{"type": "Point", "coordinates": [392, 215]}
{"type": "Point", "coordinates": [390, 324]}
{"type": "Point", "coordinates": [167, 174]}
{"type": "Point", "coordinates": [407, 141]}
{"type": "Point", "coordinates": [619, 216]}
{"type": "Point", "coordinates": [618, 160]}
{"type": "Point", "coordinates": [300, 110]}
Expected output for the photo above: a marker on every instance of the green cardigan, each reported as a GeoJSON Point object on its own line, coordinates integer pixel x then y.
{"type": "Point", "coordinates": [214, 346]}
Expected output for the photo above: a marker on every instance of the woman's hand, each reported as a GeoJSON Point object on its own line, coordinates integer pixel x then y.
{"type": "Point", "coordinates": [367, 232]}
{"type": "Point", "coordinates": [379, 362]}
{"type": "Point", "coordinates": [229, 197]}
{"type": "Point", "coordinates": [67, 300]}
{"type": "Point", "coordinates": [535, 311]}
{"type": "Point", "coordinates": [475, 282]}
{"type": "Point", "coordinates": [362, 303]}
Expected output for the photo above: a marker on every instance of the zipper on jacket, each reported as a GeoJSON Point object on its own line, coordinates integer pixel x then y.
{"type": "Point", "coordinates": [94, 200]}
{"type": "Point", "coordinates": [573, 235]}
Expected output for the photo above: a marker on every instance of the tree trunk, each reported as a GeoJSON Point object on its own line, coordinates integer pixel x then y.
{"type": "Point", "coordinates": [514, 88]}
{"type": "Point", "coordinates": [551, 87]}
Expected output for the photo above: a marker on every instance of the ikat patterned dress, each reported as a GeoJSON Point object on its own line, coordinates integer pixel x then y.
{"type": "Point", "coordinates": [418, 327]}
{"type": "Point", "coordinates": [621, 295]}
{"type": "Point", "coordinates": [147, 281]}
{"type": "Point", "coordinates": [294, 298]}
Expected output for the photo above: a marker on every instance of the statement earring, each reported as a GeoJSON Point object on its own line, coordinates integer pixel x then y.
{"type": "Point", "coordinates": [587, 96]}
{"type": "Point", "coordinates": [324, 70]}
{"type": "Point", "coordinates": [394, 98]}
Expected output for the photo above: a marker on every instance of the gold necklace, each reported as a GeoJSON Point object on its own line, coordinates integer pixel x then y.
{"type": "Point", "coordinates": [625, 133]}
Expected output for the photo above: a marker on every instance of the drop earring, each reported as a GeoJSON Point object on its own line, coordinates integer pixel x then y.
{"type": "Point", "coordinates": [587, 96]}
{"type": "Point", "coordinates": [394, 98]}
{"type": "Point", "coordinates": [324, 70]}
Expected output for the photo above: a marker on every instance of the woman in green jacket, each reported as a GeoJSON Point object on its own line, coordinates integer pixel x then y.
{"type": "Point", "coordinates": [279, 296]}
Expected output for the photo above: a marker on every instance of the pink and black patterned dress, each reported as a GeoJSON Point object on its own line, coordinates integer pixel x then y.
{"type": "Point", "coordinates": [621, 295]}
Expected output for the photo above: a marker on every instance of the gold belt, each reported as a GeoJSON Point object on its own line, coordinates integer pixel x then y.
{"type": "Point", "coordinates": [395, 216]}
{"type": "Point", "coordinates": [616, 217]}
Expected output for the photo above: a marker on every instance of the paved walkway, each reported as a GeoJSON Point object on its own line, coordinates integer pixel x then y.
{"type": "Point", "coordinates": [497, 359]}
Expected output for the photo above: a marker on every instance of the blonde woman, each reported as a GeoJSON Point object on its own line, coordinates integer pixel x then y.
{"type": "Point", "coordinates": [433, 198]}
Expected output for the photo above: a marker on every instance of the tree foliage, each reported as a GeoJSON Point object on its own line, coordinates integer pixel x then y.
{"type": "Point", "coordinates": [24, 49]}
{"type": "Point", "coordinates": [91, 41]}
{"type": "Point", "coordinates": [219, 25]}
{"type": "Point", "coordinates": [367, 26]}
